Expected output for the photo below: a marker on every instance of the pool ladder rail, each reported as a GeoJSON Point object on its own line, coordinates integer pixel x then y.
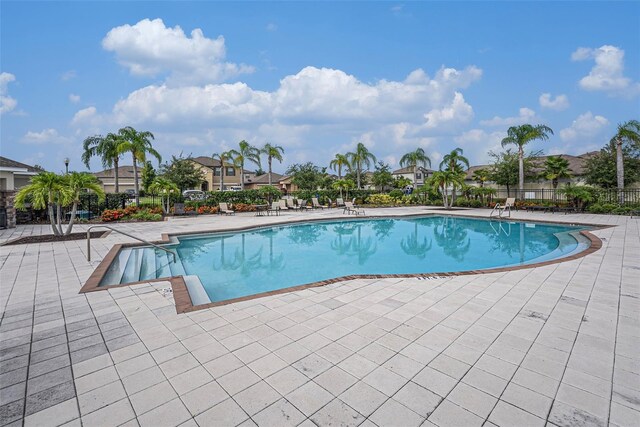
{"type": "Point", "coordinates": [501, 209]}
{"type": "Point", "coordinates": [126, 234]}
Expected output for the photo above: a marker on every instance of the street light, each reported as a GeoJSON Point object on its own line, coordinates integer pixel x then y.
{"type": "Point", "coordinates": [66, 164]}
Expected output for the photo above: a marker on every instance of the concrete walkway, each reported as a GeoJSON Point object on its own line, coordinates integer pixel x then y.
{"type": "Point", "coordinates": [556, 344]}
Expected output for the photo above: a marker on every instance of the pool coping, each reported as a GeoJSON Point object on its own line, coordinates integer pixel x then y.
{"type": "Point", "coordinates": [184, 303]}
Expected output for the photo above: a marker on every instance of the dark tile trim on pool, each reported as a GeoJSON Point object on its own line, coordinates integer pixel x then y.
{"type": "Point", "coordinates": [185, 305]}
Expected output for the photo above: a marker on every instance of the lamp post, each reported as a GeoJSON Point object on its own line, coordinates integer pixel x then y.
{"type": "Point", "coordinates": [66, 165]}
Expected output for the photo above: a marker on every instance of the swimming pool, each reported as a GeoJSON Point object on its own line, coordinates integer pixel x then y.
{"type": "Point", "coordinates": [237, 264]}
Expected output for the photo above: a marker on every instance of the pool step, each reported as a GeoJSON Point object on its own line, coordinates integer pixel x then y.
{"type": "Point", "coordinates": [141, 264]}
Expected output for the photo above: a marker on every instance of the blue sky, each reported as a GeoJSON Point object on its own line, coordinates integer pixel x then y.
{"type": "Point", "coordinates": [315, 77]}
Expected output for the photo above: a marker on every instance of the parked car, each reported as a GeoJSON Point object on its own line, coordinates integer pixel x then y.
{"type": "Point", "coordinates": [193, 194]}
{"type": "Point", "coordinates": [235, 188]}
{"type": "Point", "coordinates": [130, 192]}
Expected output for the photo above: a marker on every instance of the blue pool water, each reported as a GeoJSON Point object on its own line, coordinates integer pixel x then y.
{"type": "Point", "coordinates": [245, 263]}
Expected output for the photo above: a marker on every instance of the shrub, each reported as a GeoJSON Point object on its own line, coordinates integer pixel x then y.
{"type": "Point", "coordinates": [396, 194]}
{"type": "Point", "coordinates": [109, 215]}
{"type": "Point", "coordinates": [145, 215]}
{"type": "Point", "coordinates": [243, 207]}
{"type": "Point", "coordinates": [207, 210]}
{"type": "Point", "coordinates": [381, 200]}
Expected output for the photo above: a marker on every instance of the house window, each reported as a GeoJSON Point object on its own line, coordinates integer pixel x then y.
{"type": "Point", "coordinates": [231, 171]}
{"type": "Point", "coordinates": [418, 176]}
{"type": "Point", "coordinates": [216, 171]}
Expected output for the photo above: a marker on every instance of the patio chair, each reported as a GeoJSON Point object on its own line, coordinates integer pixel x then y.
{"type": "Point", "coordinates": [316, 204]}
{"type": "Point", "coordinates": [508, 204]}
{"type": "Point", "coordinates": [302, 204]}
{"type": "Point", "coordinates": [274, 208]}
{"type": "Point", "coordinates": [340, 202]}
{"type": "Point", "coordinates": [224, 209]}
{"type": "Point", "coordinates": [283, 205]}
{"type": "Point", "coordinates": [350, 208]}
{"type": "Point", "coordinates": [178, 209]}
{"type": "Point", "coordinates": [291, 204]}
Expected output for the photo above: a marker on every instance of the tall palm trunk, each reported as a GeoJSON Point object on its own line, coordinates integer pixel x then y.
{"type": "Point", "coordinates": [339, 171]}
{"type": "Point", "coordinates": [74, 211]}
{"type": "Point", "coordinates": [269, 159]}
{"type": "Point", "coordinates": [620, 170]}
{"type": "Point", "coordinates": [135, 179]}
{"type": "Point", "coordinates": [117, 172]}
{"type": "Point", "coordinates": [520, 171]}
{"type": "Point", "coordinates": [415, 177]}
{"type": "Point", "coordinates": [242, 177]}
{"type": "Point", "coordinates": [221, 176]}
{"type": "Point", "coordinates": [59, 219]}
{"type": "Point", "coordinates": [358, 174]}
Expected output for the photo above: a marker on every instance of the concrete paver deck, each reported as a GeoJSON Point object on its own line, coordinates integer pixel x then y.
{"type": "Point", "coordinates": [551, 345]}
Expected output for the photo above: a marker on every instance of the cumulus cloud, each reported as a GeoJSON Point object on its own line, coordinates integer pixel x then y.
{"type": "Point", "coordinates": [149, 48]}
{"type": "Point", "coordinates": [586, 126]}
{"type": "Point", "coordinates": [559, 103]}
{"type": "Point", "coordinates": [271, 27]}
{"type": "Point", "coordinates": [46, 136]}
{"type": "Point", "coordinates": [306, 111]}
{"type": "Point", "coordinates": [74, 98]}
{"type": "Point", "coordinates": [7, 103]}
{"type": "Point", "coordinates": [525, 115]}
{"type": "Point", "coordinates": [607, 73]}
{"type": "Point", "coordinates": [477, 143]}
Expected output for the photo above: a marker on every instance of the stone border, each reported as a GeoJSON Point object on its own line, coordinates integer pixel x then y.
{"type": "Point", "coordinates": [185, 305]}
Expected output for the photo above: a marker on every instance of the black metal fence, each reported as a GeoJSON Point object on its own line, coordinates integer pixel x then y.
{"type": "Point", "coordinates": [629, 196]}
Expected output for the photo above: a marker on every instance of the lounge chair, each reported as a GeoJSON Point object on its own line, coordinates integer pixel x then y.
{"type": "Point", "coordinates": [340, 202]}
{"type": "Point", "coordinates": [283, 205]}
{"type": "Point", "coordinates": [224, 209]}
{"type": "Point", "coordinates": [291, 204]}
{"type": "Point", "coordinates": [302, 204]}
{"type": "Point", "coordinates": [508, 205]}
{"type": "Point", "coordinates": [350, 208]}
{"type": "Point", "coordinates": [315, 204]}
{"type": "Point", "coordinates": [274, 208]}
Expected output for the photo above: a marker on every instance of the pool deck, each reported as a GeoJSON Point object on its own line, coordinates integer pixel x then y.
{"type": "Point", "coordinates": [552, 345]}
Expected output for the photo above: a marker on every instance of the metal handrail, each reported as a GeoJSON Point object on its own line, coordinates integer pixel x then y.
{"type": "Point", "coordinates": [126, 234]}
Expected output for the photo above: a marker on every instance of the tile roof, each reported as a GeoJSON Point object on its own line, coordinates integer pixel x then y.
{"type": "Point", "coordinates": [8, 163]}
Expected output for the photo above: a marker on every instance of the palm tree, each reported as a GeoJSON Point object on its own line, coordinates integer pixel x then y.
{"type": "Point", "coordinates": [359, 158]}
{"type": "Point", "coordinates": [414, 159]}
{"type": "Point", "coordinates": [521, 136]}
{"type": "Point", "coordinates": [342, 184]}
{"type": "Point", "coordinates": [272, 152]}
{"type": "Point", "coordinates": [481, 176]}
{"type": "Point", "coordinates": [44, 191]}
{"type": "Point", "coordinates": [629, 132]}
{"type": "Point", "coordinates": [138, 144]}
{"type": "Point", "coordinates": [107, 149]}
{"type": "Point", "coordinates": [338, 162]}
{"type": "Point", "coordinates": [555, 168]}
{"type": "Point", "coordinates": [443, 180]}
{"type": "Point", "coordinates": [454, 161]}
{"type": "Point", "coordinates": [246, 152]}
{"type": "Point", "coordinates": [223, 157]}
{"type": "Point", "coordinates": [163, 187]}
{"type": "Point", "coordinates": [77, 183]}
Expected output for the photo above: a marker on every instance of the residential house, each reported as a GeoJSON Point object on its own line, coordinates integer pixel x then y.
{"type": "Point", "coordinates": [13, 176]}
{"type": "Point", "coordinates": [212, 173]}
{"type": "Point", "coordinates": [422, 174]}
{"type": "Point", "coordinates": [126, 181]}
{"type": "Point", "coordinates": [576, 168]}
{"type": "Point", "coordinates": [255, 182]}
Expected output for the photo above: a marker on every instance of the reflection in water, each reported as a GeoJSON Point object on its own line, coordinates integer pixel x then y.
{"type": "Point", "coordinates": [306, 235]}
{"type": "Point", "coordinates": [383, 228]}
{"type": "Point", "coordinates": [355, 246]}
{"type": "Point", "coordinates": [411, 245]}
{"type": "Point", "coordinates": [451, 236]}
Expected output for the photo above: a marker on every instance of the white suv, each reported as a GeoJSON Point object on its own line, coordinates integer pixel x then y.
{"type": "Point", "coordinates": [193, 194]}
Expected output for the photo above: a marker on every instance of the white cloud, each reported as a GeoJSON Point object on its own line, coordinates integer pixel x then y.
{"type": "Point", "coordinates": [561, 102]}
{"type": "Point", "coordinates": [84, 116]}
{"type": "Point", "coordinates": [271, 27]}
{"type": "Point", "coordinates": [525, 115]}
{"type": "Point", "coordinates": [149, 48]}
{"type": "Point", "coordinates": [477, 143]}
{"type": "Point", "coordinates": [586, 126]}
{"type": "Point", "coordinates": [46, 136]}
{"type": "Point", "coordinates": [68, 75]}
{"type": "Point", "coordinates": [607, 73]}
{"type": "Point", "coordinates": [7, 103]}
{"type": "Point", "coordinates": [457, 112]}
{"type": "Point", "coordinates": [74, 98]}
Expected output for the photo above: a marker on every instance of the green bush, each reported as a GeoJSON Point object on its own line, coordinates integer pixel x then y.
{"type": "Point", "coordinates": [396, 194]}
{"type": "Point", "coordinates": [145, 215]}
{"type": "Point", "coordinates": [381, 200]}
